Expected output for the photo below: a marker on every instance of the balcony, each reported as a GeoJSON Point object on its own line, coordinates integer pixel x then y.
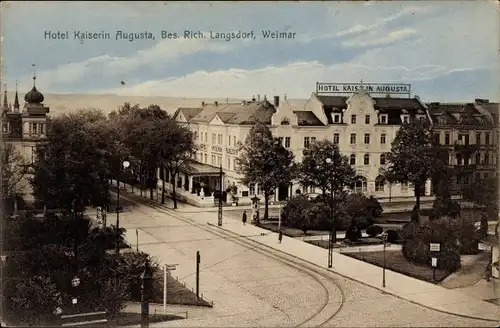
{"type": "Point", "coordinates": [232, 151]}
{"type": "Point", "coordinates": [217, 149]}
{"type": "Point", "coordinates": [468, 148]}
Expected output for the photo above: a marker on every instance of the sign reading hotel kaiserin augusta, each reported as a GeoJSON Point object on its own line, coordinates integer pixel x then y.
{"type": "Point", "coordinates": [385, 88]}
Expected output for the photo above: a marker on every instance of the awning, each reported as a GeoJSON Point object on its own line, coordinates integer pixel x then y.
{"type": "Point", "coordinates": [194, 168]}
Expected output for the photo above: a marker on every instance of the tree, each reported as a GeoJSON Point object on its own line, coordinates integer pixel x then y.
{"type": "Point", "coordinates": [302, 214]}
{"type": "Point", "coordinates": [411, 159]}
{"type": "Point", "coordinates": [71, 169]}
{"type": "Point", "coordinates": [265, 161]}
{"type": "Point", "coordinates": [483, 193]}
{"type": "Point", "coordinates": [14, 169]}
{"type": "Point", "coordinates": [324, 167]}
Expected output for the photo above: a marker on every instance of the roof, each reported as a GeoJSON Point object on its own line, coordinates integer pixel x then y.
{"type": "Point", "coordinates": [462, 115]}
{"type": "Point", "coordinates": [195, 168]}
{"type": "Point", "coordinates": [393, 107]}
{"type": "Point", "coordinates": [189, 113]}
{"type": "Point", "coordinates": [237, 113]}
{"type": "Point", "coordinates": [307, 118]}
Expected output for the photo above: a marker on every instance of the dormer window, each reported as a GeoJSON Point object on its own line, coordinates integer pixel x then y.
{"type": "Point", "coordinates": [405, 118]}
{"type": "Point", "coordinates": [383, 119]}
{"type": "Point", "coordinates": [5, 127]}
{"type": "Point", "coordinates": [336, 118]}
{"type": "Point", "coordinates": [285, 121]}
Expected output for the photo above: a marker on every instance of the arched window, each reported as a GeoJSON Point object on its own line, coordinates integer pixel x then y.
{"type": "Point", "coordinates": [379, 183]}
{"type": "Point", "coordinates": [366, 159]}
{"type": "Point", "coordinates": [352, 159]}
{"type": "Point", "coordinates": [360, 185]}
{"type": "Point", "coordinates": [382, 159]}
{"type": "Point", "coordinates": [285, 121]}
{"type": "Point", "coordinates": [251, 189]}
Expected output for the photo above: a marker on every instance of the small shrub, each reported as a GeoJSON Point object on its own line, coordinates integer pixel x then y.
{"type": "Point", "coordinates": [374, 230]}
{"type": "Point", "coordinates": [374, 207]}
{"type": "Point", "coordinates": [353, 234]}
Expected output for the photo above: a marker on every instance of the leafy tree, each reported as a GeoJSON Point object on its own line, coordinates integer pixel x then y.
{"type": "Point", "coordinates": [483, 193]}
{"type": "Point", "coordinates": [325, 168]}
{"type": "Point", "coordinates": [374, 230]}
{"type": "Point", "coordinates": [14, 169]}
{"type": "Point", "coordinates": [71, 169]}
{"type": "Point", "coordinates": [265, 161]}
{"type": "Point", "coordinates": [411, 158]}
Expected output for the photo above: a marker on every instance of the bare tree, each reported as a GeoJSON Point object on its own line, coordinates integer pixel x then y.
{"type": "Point", "coordinates": [14, 170]}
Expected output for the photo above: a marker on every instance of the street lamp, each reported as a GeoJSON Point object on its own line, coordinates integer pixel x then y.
{"type": "Point", "coordinates": [333, 235]}
{"type": "Point", "coordinates": [384, 239]}
{"type": "Point", "coordinates": [125, 164]}
{"type": "Point", "coordinates": [219, 221]}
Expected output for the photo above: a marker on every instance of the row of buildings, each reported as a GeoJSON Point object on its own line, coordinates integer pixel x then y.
{"type": "Point", "coordinates": [362, 125]}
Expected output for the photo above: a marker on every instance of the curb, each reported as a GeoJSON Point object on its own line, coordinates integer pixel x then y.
{"type": "Point", "coordinates": [384, 291]}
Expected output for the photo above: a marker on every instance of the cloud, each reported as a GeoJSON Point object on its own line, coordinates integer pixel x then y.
{"type": "Point", "coordinates": [295, 79]}
{"type": "Point", "coordinates": [360, 28]}
{"type": "Point", "coordinates": [371, 40]}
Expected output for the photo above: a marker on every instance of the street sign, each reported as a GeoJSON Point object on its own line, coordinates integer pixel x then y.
{"type": "Point", "coordinates": [170, 267]}
{"type": "Point", "coordinates": [74, 301]}
{"type": "Point", "coordinates": [434, 262]}
{"type": "Point", "coordinates": [435, 247]}
{"type": "Point", "coordinates": [483, 247]}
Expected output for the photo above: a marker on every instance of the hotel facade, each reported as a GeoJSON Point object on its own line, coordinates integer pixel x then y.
{"type": "Point", "coordinates": [363, 126]}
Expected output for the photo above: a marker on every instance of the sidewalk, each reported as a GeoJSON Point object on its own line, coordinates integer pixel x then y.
{"type": "Point", "coordinates": [413, 290]}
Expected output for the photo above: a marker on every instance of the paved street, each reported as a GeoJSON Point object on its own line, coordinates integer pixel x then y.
{"type": "Point", "coordinates": [251, 287]}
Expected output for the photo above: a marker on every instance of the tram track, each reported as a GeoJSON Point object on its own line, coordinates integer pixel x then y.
{"type": "Point", "coordinates": [333, 298]}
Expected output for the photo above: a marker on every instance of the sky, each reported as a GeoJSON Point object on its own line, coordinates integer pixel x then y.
{"type": "Point", "coordinates": [447, 50]}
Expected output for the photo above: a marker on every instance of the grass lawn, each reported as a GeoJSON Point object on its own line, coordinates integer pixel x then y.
{"type": "Point", "coordinates": [177, 293]}
{"type": "Point", "coordinates": [395, 261]}
{"type": "Point", "coordinates": [128, 318]}
{"type": "Point", "coordinates": [361, 242]}
{"type": "Point", "coordinates": [290, 232]}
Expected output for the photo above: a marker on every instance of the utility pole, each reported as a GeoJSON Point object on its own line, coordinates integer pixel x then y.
{"type": "Point", "coordinates": [219, 221]}
{"type": "Point", "coordinates": [197, 275]}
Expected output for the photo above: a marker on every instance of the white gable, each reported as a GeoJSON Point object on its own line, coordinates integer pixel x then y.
{"type": "Point", "coordinates": [360, 103]}
{"type": "Point", "coordinates": [216, 120]}
{"type": "Point", "coordinates": [180, 118]}
{"type": "Point", "coordinates": [284, 115]}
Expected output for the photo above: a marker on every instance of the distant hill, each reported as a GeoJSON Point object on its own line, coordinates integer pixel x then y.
{"type": "Point", "coordinates": [64, 103]}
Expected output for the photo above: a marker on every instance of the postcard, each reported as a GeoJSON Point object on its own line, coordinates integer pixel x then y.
{"type": "Point", "coordinates": [250, 164]}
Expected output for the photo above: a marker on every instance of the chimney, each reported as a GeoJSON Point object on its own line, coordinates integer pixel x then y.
{"type": "Point", "coordinates": [202, 104]}
{"type": "Point", "coordinates": [276, 101]}
{"type": "Point", "coordinates": [258, 97]}
{"type": "Point", "coordinates": [216, 103]}
{"type": "Point", "coordinates": [253, 98]}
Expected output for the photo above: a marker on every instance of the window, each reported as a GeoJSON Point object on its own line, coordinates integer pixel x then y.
{"type": "Point", "coordinates": [446, 138]}
{"type": "Point", "coordinates": [229, 141]}
{"type": "Point", "coordinates": [234, 140]}
{"type": "Point", "coordinates": [213, 160]}
{"type": "Point", "coordinates": [251, 189]}
{"type": "Point", "coordinates": [353, 119]}
{"type": "Point", "coordinates": [383, 119]}
{"type": "Point", "coordinates": [478, 138]}
{"type": "Point", "coordinates": [367, 138]}
{"type": "Point", "coordinates": [336, 118]}
{"type": "Point", "coordinates": [201, 137]}
{"type": "Point", "coordinates": [229, 163]}
{"type": "Point", "coordinates": [234, 164]}
{"type": "Point", "coordinates": [405, 119]}
{"type": "Point", "coordinates": [437, 138]}
{"type": "Point", "coordinates": [281, 140]}
{"type": "Point", "coordinates": [382, 138]}
{"type": "Point", "coordinates": [353, 138]}
{"type": "Point", "coordinates": [352, 159]}
{"type": "Point", "coordinates": [200, 157]}
{"type": "Point", "coordinates": [360, 185]}
{"type": "Point", "coordinates": [336, 138]}
{"type": "Point", "coordinates": [313, 139]}
{"type": "Point", "coordinates": [382, 159]}
{"type": "Point", "coordinates": [487, 138]}
{"type": "Point", "coordinates": [287, 142]}
{"type": "Point", "coordinates": [366, 159]}
{"type": "Point", "coordinates": [219, 139]}
{"type": "Point", "coordinates": [459, 159]}
{"type": "Point", "coordinates": [219, 161]}
{"type": "Point", "coordinates": [35, 128]}
{"type": "Point", "coordinates": [379, 183]}
{"type": "Point", "coordinates": [206, 159]}
{"type": "Point", "coordinates": [486, 158]}
{"type": "Point", "coordinates": [6, 127]}
{"type": "Point", "coordinates": [306, 142]}
{"type": "Point", "coordinates": [258, 190]}
{"type": "Point", "coordinates": [367, 119]}
{"type": "Point", "coordinates": [214, 138]}
{"type": "Point", "coordinates": [478, 158]}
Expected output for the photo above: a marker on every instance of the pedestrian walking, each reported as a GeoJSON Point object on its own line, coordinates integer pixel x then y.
{"type": "Point", "coordinates": [488, 272]}
{"type": "Point", "coordinates": [244, 218]}
{"type": "Point", "coordinates": [280, 236]}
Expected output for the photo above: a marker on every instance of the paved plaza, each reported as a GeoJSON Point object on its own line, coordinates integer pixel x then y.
{"type": "Point", "coordinates": [252, 284]}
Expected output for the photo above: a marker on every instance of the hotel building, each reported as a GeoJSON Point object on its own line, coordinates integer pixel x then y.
{"type": "Point", "coordinates": [363, 126]}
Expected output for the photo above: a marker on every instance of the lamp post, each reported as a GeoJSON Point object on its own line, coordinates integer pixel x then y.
{"type": "Point", "coordinates": [125, 164]}
{"type": "Point", "coordinates": [384, 239]}
{"type": "Point", "coordinates": [147, 279]}
{"type": "Point", "coordinates": [219, 221]}
{"type": "Point", "coordinates": [333, 235]}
